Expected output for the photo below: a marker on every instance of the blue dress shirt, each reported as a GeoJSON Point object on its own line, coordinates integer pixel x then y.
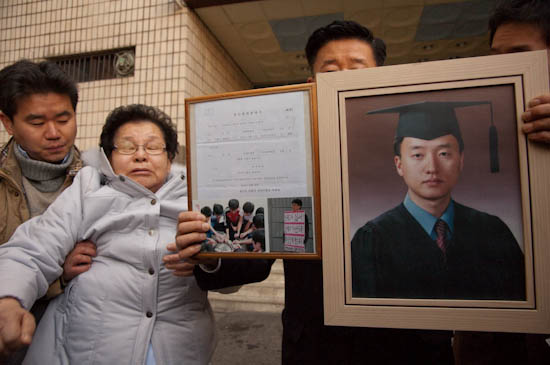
{"type": "Point", "coordinates": [427, 221]}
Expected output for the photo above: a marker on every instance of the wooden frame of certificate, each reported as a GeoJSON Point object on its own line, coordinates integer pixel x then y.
{"type": "Point", "coordinates": [252, 163]}
{"type": "Point", "coordinates": [386, 277]}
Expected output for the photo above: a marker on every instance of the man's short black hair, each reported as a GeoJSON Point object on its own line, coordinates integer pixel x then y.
{"type": "Point", "coordinates": [258, 236]}
{"type": "Point", "coordinates": [258, 221]}
{"type": "Point", "coordinates": [218, 209]}
{"type": "Point", "coordinates": [25, 78]}
{"type": "Point", "coordinates": [297, 201]}
{"type": "Point", "coordinates": [233, 204]}
{"type": "Point", "coordinates": [397, 146]}
{"type": "Point", "coordinates": [344, 29]}
{"type": "Point", "coordinates": [248, 207]}
{"type": "Point", "coordinates": [535, 12]}
{"type": "Point", "coordinates": [138, 112]}
{"type": "Point", "coordinates": [206, 211]}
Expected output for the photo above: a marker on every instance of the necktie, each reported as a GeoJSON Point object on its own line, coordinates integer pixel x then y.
{"type": "Point", "coordinates": [441, 231]}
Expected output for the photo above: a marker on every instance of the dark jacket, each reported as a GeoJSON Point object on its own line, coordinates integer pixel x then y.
{"type": "Point", "coordinates": [306, 340]}
{"type": "Point", "coordinates": [394, 257]}
{"type": "Point", "coordinates": [233, 272]}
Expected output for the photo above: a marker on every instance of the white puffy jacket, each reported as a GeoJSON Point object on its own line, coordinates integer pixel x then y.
{"type": "Point", "coordinates": [128, 299]}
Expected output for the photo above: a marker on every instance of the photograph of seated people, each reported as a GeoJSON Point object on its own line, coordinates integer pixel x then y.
{"type": "Point", "coordinates": [431, 246]}
{"type": "Point", "coordinates": [224, 236]}
{"type": "Point", "coordinates": [38, 110]}
{"type": "Point", "coordinates": [136, 302]}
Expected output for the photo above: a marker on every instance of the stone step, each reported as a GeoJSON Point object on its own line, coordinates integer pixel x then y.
{"type": "Point", "coordinates": [266, 296]}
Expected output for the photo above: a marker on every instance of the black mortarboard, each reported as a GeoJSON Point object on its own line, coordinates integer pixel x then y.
{"type": "Point", "coordinates": [432, 119]}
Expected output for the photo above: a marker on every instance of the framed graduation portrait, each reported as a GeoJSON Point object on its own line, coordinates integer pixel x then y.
{"type": "Point", "coordinates": [252, 163]}
{"type": "Point", "coordinates": [438, 203]}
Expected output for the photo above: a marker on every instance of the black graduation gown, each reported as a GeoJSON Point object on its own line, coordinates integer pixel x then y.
{"type": "Point", "coordinates": [393, 257]}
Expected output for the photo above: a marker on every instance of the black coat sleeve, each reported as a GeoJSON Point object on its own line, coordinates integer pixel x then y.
{"type": "Point", "coordinates": [363, 263]}
{"type": "Point", "coordinates": [233, 272]}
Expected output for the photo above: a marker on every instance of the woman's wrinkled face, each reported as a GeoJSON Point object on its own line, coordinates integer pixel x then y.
{"type": "Point", "coordinates": [149, 165]}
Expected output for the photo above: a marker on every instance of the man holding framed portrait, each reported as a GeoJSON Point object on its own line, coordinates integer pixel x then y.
{"type": "Point", "coordinates": [515, 26]}
{"type": "Point", "coordinates": [522, 26]}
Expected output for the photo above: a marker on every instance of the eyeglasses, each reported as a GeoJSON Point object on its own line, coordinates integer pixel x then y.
{"type": "Point", "coordinates": [129, 148]}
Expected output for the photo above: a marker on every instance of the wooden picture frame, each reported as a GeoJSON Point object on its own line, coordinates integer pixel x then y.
{"type": "Point", "coordinates": [260, 148]}
{"type": "Point", "coordinates": [507, 82]}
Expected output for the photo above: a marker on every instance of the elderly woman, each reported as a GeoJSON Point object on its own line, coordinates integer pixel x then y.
{"type": "Point", "coordinates": [128, 307]}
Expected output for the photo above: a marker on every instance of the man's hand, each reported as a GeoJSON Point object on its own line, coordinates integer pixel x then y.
{"type": "Point", "coordinates": [192, 228]}
{"type": "Point", "coordinates": [17, 326]}
{"type": "Point", "coordinates": [537, 119]}
{"type": "Point", "coordinates": [79, 260]}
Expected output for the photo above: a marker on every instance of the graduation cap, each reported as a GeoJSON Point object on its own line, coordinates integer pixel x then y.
{"type": "Point", "coordinates": [432, 119]}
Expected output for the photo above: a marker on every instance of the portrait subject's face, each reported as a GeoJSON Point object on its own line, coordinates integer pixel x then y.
{"type": "Point", "coordinates": [517, 37]}
{"type": "Point", "coordinates": [146, 169]}
{"type": "Point", "coordinates": [44, 126]}
{"type": "Point", "coordinates": [430, 168]}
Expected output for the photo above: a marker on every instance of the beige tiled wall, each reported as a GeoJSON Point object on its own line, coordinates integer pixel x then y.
{"type": "Point", "coordinates": [176, 55]}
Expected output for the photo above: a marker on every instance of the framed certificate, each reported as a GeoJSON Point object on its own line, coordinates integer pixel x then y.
{"type": "Point", "coordinates": [405, 147]}
{"type": "Point", "coordinates": [252, 162]}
